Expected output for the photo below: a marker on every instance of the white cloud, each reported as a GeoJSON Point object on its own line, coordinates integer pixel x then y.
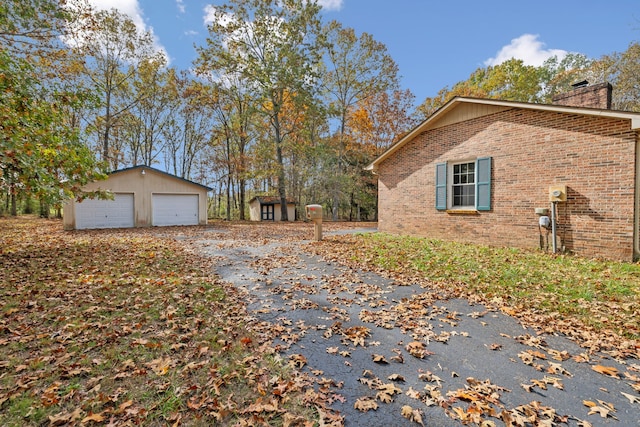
{"type": "Point", "coordinates": [331, 4]}
{"type": "Point", "coordinates": [528, 48]}
{"type": "Point", "coordinates": [209, 14]}
{"type": "Point", "coordinates": [325, 4]}
{"type": "Point", "coordinates": [181, 6]}
{"type": "Point", "coordinates": [132, 9]}
{"type": "Point", "coordinates": [128, 7]}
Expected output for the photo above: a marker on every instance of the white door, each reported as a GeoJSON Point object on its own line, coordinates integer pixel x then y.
{"type": "Point", "coordinates": [175, 209]}
{"type": "Point", "coordinates": [117, 213]}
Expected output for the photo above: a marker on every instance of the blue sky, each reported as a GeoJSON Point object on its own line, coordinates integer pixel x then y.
{"type": "Point", "coordinates": [435, 43]}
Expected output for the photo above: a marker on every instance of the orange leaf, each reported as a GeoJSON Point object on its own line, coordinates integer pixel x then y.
{"type": "Point", "coordinates": [98, 418]}
{"type": "Point", "coordinates": [606, 370]}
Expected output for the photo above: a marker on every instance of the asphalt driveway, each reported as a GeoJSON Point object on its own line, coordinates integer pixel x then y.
{"type": "Point", "coordinates": [393, 355]}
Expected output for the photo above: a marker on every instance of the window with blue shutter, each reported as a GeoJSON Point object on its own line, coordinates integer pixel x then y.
{"type": "Point", "coordinates": [483, 184]}
{"type": "Point", "coordinates": [464, 186]}
{"type": "Point", "coordinates": [441, 186]}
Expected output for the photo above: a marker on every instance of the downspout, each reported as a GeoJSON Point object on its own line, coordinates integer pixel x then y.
{"type": "Point", "coordinates": [636, 202]}
{"type": "Point", "coordinates": [554, 227]}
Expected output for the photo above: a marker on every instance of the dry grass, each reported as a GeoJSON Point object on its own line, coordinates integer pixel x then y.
{"type": "Point", "coordinates": [128, 328]}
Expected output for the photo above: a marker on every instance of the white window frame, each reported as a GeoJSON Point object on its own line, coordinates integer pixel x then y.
{"type": "Point", "coordinates": [450, 184]}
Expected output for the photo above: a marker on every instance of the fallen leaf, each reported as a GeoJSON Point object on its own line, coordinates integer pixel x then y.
{"type": "Point", "coordinates": [607, 370]}
{"type": "Point", "coordinates": [160, 366]}
{"type": "Point", "coordinates": [528, 387]}
{"type": "Point", "coordinates": [604, 412]}
{"type": "Point", "coordinates": [604, 409]}
{"type": "Point", "coordinates": [378, 358]}
{"type": "Point", "coordinates": [261, 406]}
{"type": "Point", "coordinates": [412, 414]}
{"type": "Point", "coordinates": [97, 418]}
{"type": "Point", "coordinates": [559, 355]}
{"type": "Point", "coordinates": [384, 397]}
{"type": "Point", "coordinates": [365, 404]}
{"type": "Point", "coordinates": [412, 393]}
{"type": "Point", "coordinates": [557, 368]}
{"type": "Point", "coordinates": [395, 377]}
{"type": "Point", "coordinates": [632, 399]}
{"type": "Point", "coordinates": [390, 388]}
{"type": "Point", "coordinates": [417, 349]}
{"type": "Point", "coordinates": [297, 360]}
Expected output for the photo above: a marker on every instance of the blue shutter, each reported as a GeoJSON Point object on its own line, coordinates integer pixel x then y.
{"type": "Point", "coordinates": [441, 186]}
{"type": "Point", "coordinates": [483, 184]}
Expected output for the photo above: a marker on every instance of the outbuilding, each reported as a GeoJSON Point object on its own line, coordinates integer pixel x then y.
{"type": "Point", "coordinates": [267, 208]}
{"type": "Point", "coordinates": [484, 170]}
{"type": "Point", "coordinates": [143, 197]}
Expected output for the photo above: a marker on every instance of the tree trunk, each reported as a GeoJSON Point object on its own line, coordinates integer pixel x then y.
{"type": "Point", "coordinates": [340, 168]}
{"type": "Point", "coordinates": [44, 209]}
{"type": "Point", "coordinates": [14, 203]}
{"type": "Point", "coordinates": [282, 189]}
{"type": "Point", "coordinates": [228, 197]}
{"type": "Point", "coordinates": [242, 191]}
{"type": "Point", "coordinates": [351, 203]}
{"type": "Point", "coordinates": [107, 125]}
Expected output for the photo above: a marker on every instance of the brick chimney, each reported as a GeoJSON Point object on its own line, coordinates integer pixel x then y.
{"type": "Point", "coordinates": [585, 95]}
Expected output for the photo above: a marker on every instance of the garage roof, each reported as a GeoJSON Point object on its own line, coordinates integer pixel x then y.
{"type": "Point", "coordinates": [143, 167]}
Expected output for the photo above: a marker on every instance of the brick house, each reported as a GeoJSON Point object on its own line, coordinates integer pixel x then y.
{"type": "Point", "coordinates": [477, 169]}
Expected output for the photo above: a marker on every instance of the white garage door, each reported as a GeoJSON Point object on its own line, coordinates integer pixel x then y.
{"type": "Point", "coordinates": [175, 209]}
{"type": "Point", "coordinates": [117, 213]}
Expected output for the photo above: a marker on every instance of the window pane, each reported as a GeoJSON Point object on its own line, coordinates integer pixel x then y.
{"type": "Point", "coordinates": [463, 185]}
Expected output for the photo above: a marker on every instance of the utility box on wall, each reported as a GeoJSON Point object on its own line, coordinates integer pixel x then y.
{"type": "Point", "coordinates": [558, 193]}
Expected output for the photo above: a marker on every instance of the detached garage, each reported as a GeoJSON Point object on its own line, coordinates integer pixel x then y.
{"type": "Point", "coordinates": [143, 196]}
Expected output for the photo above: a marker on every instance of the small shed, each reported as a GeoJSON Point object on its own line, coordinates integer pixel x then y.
{"type": "Point", "coordinates": [267, 208]}
{"type": "Point", "coordinates": [143, 197]}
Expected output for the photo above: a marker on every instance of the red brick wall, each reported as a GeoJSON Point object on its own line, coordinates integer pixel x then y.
{"type": "Point", "coordinates": [594, 96]}
{"type": "Point", "coordinates": [531, 150]}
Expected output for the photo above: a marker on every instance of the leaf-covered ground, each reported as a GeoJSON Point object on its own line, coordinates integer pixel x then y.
{"type": "Point", "coordinates": [400, 334]}
{"type": "Point", "coordinates": [126, 327]}
{"type": "Point", "coordinates": [130, 327]}
{"type": "Point", "coordinates": [595, 302]}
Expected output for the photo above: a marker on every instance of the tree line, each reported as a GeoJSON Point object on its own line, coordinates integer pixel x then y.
{"type": "Point", "coordinates": [277, 102]}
